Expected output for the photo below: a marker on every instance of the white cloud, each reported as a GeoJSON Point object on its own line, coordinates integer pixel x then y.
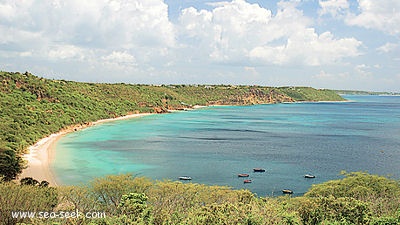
{"type": "Point", "coordinates": [26, 54]}
{"type": "Point", "coordinates": [7, 12]}
{"type": "Point", "coordinates": [227, 41]}
{"type": "Point", "coordinates": [226, 32]}
{"type": "Point", "coordinates": [238, 31]}
{"type": "Point", "coordinates": [388, 47]}
{"type": "Point", "coordinates": [251, 70]}
{"type": "Point", "coordinates": [309, 48]}
{"type": "Point", "coordinates": [120, 57]}
{"type": "Point", "coordinates": [92, 24]}
{"type": "Point", "coordinates": [119, 60]}
{"type": "Point", "coordinates": [77, 38]}
{"type": "Point", "coordinates": [333, 7]}
{"type": "Point", "coordinates": [232, 32]}
{"type": "Point", "coordinates": [66, 52]}
{"type": "Point", "coordinates": [323, 75]}
{"type": "Point", "coordinates": [363, 70]}
{"type": "Point", "coordinates": [382, 15]}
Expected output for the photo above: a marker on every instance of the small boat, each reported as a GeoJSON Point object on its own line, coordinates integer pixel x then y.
{"type": "Point", "coordinates": [243, 175]}
{"type": "Point", "coordinates": [247, 181]}
{"type": "Point", "coordinates": [309, 176]}
{"type": "Point", "coordinates": [184, 178]}
{"type": "Point", "coordinates": [287, 191]}
{"type": "Point", "coordinates": [260, 170]}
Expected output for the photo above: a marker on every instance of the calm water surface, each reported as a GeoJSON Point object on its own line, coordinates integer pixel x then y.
{"type": "Point", "coordinates": [213, 145]}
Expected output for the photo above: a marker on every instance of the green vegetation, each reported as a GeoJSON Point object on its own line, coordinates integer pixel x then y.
{"type": "Point", "coordinates": [359, 198]}
{"type": "Point", "coordinates": [32, 107]}
{"type": "Point", "coordinates": [11, 164]}
{"type": "Point", "coordinates": [311, 94]}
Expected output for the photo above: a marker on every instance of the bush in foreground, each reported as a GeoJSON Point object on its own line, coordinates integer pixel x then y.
{"type": "Point", "coordinates": [125, 199]}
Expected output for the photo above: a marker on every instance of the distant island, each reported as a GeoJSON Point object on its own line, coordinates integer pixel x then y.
{"type": "Point", "coordinates": [354, 92]}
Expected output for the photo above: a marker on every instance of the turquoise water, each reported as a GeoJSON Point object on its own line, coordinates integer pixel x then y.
{"type": "Point", "coordinates": [213, 145]}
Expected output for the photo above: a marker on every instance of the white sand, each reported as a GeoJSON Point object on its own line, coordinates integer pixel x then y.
{"type": "Point", "coordinates": [41, 154]}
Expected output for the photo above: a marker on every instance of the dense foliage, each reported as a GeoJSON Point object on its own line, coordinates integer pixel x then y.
{"type": "Point", "coordinates": [32, 107]}
{"type": "Point", "coordinates": [11, 165]}
{"type": "Point", "coordinates": [125, 199]}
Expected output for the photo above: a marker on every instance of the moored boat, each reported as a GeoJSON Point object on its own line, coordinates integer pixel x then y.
{"type": "Point", "coordinates": [287, 191]}
{"type": "Point", "coordinates": [185, 178]}
{"type": "Point", "coordinates": [260, 170]}
{"type": "Point", "coordinates": [247, 181]}
{"type": "Point", "coordinates": [309, 176]}
{"type": "Point", "coordinates": [243, 175]}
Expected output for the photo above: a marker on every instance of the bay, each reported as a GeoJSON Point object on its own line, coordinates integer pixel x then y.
{"type": "Point", "coordinates": [214, 144]}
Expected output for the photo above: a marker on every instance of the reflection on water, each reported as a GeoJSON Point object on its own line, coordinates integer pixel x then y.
{"type": "Point", "coordinates": [213, 145]}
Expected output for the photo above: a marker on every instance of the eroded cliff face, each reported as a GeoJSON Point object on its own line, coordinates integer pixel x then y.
{"type": "Point", "coordinates": [34, 107]}
{"type": "Point", "coordinates": [251, 97]}
{"type": "Point", "coordinates": [255, 96]}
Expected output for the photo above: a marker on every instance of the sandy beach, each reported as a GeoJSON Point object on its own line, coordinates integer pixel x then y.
{"type": "Point", "coordinates": [41, 154]}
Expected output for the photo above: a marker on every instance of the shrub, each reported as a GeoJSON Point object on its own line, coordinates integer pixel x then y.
{"type": "Point", "coordinates": [25, 198]}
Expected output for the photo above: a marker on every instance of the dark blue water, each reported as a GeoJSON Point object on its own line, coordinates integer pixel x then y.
{"type": "Point", "coordinates": [213, 145]}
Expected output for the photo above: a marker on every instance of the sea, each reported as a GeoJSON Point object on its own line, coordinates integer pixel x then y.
{"type": "Point", "coordinates": [214, 144]}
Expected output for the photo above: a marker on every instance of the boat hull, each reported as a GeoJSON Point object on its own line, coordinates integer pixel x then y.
{"type": "Point", "coordinates": [243, 175]}
{"type": "Point", "coordinates": [185, 178]}
{"type": "Point", "coordinates": [287, 191]}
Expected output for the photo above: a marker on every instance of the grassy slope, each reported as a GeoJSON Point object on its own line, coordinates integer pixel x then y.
{"type": "Point", "coordinates": [33, 107]}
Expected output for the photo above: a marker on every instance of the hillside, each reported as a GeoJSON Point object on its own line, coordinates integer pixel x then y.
{"type": "Point", "coordinates": [33, 107]}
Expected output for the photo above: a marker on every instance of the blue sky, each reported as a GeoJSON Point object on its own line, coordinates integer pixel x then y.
{"type": "Point", "coordinates": [338, 44]}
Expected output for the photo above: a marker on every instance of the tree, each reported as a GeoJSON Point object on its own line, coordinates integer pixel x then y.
{"type": "Point", "coordinates": [25, 198]}
{"type": "Point", "coordinates": [11, 165]}
{"type": "Point", "coordinates": [134, 206]}
{"type": "Point", "coordinates": [381, 193]}
{"type": "Point", "coordinates": [29, 181]}
{"type": "Point", "coordinates": [44, 183]}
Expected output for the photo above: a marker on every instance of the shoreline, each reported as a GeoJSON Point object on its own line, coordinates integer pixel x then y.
{"type": "Point", "coordinates": [41, 154]}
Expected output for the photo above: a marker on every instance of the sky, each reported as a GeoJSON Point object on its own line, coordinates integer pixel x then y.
{"type": "Point", "coordinates": [335, 44]}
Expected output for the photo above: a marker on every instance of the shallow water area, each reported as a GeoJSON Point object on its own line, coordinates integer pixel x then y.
{"type": "Point", "coordinates": [214, 144]}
